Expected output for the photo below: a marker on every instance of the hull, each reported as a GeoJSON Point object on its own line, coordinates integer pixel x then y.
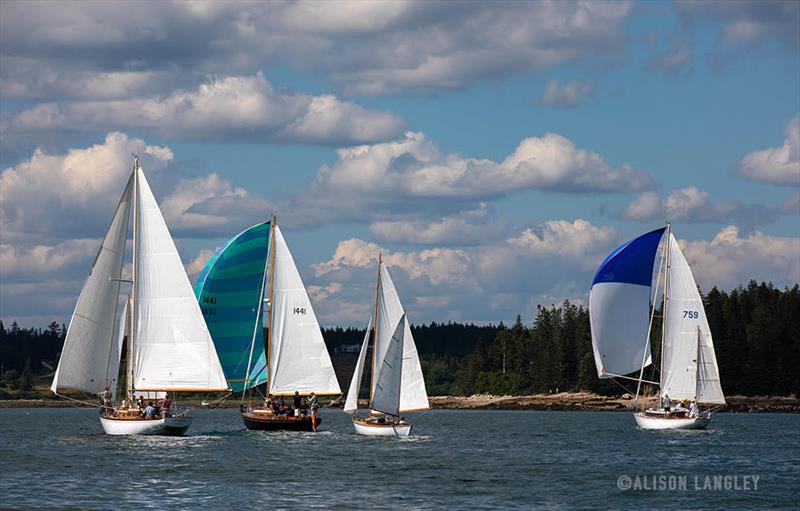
{"type": "Point", "coordinates": [649, 422]}
{"type": "Point", "coordinates": [173, 426]}
{"type": "Point", "coordinates": [364, 427]}
{"type": "Point", "coordinates": [267, 422]}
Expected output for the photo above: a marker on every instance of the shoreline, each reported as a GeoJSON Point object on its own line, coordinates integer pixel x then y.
{"type": "Point", "coordinates": [563, 401]}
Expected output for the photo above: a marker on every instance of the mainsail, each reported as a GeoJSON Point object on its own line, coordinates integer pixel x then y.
{"type": "Point", "coordinates": [85, 362]}
{"type": "Point", "coordinates": [619, 306]}
{"type": "Point", "coordinates": [386, 397]}
{"type": "Point", "coordinates": [230, 291]}
{"type": "Point", "coordinates": [298, 358]}
{"type": "Point", "coordinates": [172, 347]}
{"type": "Point", "coordinates": [689, 365]}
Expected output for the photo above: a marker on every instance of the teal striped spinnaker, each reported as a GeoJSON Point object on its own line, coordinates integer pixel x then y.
{"type": "Point", "coordinates": [228, 290]}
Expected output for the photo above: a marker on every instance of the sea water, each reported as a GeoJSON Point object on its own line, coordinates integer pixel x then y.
{"type": "Point", "coordinates": [455, 459]}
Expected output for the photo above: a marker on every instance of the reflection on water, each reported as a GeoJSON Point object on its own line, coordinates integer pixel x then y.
{"type": "Point", "coordinates": [454, 459]}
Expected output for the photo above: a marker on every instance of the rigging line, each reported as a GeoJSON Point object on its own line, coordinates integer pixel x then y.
{"type": "Point", "coordinates": [67, 398]}
{"type": "Point", "coordinates": [626, 389]}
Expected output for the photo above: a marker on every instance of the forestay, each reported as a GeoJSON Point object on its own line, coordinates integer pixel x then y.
{"type": "Point", "coordinates": [86, 359]}
{"type": "Point", "coordinates": [687, 339]}
{"type": "Point", "coordinates": [298, 358]}
{"type": "Point", "coordinates": [386, 398]}
{"type": "Point", "coordinates": [229, 291]}
{"type": "Point", "coordinates": [351, 404]}
{"type": "Point", "coordinates": [413, 395]}
{"type": "Point", "coordinates": [172, 347]}
{"type": "Point", "coordinates": [619, 306]}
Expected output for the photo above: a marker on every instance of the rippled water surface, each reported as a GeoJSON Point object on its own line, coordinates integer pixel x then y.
{"type": "Point", "coordinates": [454, 459]}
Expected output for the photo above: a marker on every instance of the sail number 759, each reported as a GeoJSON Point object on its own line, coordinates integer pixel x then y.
{"type": "Point", "coordinates": [691, 314]}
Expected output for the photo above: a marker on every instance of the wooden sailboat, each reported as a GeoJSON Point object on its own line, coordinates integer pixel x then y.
{"type": "Point", "coordinates": [396, 383]}
{"type": "Point", "coordinates": [169, 348]}
{"type": "Point", "coordinates": [293, 361]}
{"type": "Point", "coordinates": [622, 310]}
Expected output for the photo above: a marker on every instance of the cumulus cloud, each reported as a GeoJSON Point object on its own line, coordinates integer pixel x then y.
{"type": "Point", "coordinates": [692, 204]}
{"type": "Point", "coordinates": [569, 95]}
{"type": "Point", "coordinates": [411, 177]}
{"type": "Point", "coordinates": [196, 265]}
{"type": "Point", "coordinates": [241, 109]}
{"type": "Point", "coordinates": [779, 165]}
{"type": "Point", "coordinates": [19, 263]}
{"type": "Point", "coordinates": [61, 196]}
{"type": "Point", "coordinates": [730, 259]}
{"type": "Point", "coordinates": [369, 48]}
{"type": "Point", "coordinates": [475, 282]}
{"type": "Point", "coordinates": [464, 228]}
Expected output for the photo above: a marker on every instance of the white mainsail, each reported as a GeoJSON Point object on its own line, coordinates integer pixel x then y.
{"type": "Point", "coordinates": [85, 361]}
{"type": "Point", "coordinates": [172, 346]}
{"type": "Point", "coordinates": [298, 357]}
{"type": "Point", "coordinates": [413, 395]}
{"type": "Point", "coordinates": [687, 338]}
{"type": "Point", "coordinates": [386, 398]}
{"type": "Point", "coordinates": [351, 404]}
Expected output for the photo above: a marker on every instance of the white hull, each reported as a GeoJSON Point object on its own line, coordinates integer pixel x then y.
{"type": "Point", "coordinates": [382, 429]}
{"type": "Point", "coordinates": [649, 422]}
{"type": "Point", "coordinates": [175, 426]}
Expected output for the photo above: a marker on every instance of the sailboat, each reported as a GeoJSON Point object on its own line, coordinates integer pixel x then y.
{"type": "Point", "coordinates": [293, 361]}
{"type": "Point", "coordinates": [622, 306]}
{"type": "Point", "coordinates": [396, 382]}
{"type": "Point", "coordinates": [169, 348]}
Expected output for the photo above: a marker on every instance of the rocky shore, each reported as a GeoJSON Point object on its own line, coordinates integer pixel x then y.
{"type": "Point", "coordinates": [571, 401]}
{"type": "Point", "coordinates": [586, 401]}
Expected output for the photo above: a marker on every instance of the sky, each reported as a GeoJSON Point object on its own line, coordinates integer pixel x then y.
{"type": "Point", "coordinates": [494, 152]}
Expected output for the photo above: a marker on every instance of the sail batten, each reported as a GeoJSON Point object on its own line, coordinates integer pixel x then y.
{"type": "Point", "coordinates": [85, 363]}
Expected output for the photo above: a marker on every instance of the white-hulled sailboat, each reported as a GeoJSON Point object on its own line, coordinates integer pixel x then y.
{"type": "Point", "coordinates": [396, 381]}
{"type": "Point", "coordinates": [621, 311]}
{"type": "Point", "coordinates": [296, 362]}
{"type": "Point", "coordinates": [169, 348]}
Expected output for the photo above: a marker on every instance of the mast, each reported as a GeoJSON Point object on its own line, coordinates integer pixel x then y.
{"type": "Point", "coordinates": [258, 321]}
{"type": "Point", "coordinates": [697, 367]}
{"type": "Point", "coordinates": [273, 225]}
{"type": "Point", "coordinates": [129, 364]}
{"type": "Point", "coordinates": [664, 314]}
{"type": "Point", "coordinates": [375, 332]}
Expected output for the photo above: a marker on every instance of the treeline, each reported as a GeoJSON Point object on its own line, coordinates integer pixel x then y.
{"type": "Point", "coordinates": [756, 332]}
{"type": "Point", "coordinates": [28, 352]}
{"type": "Point", "coordinates": [450, 338]}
